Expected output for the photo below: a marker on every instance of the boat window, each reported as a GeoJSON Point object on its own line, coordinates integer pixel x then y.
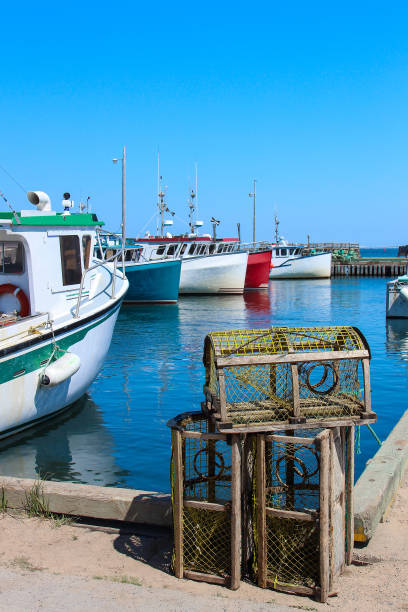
{"type": "Point", "coordinates": [191, 249]}
{"type": "Point", "coordinates": [211, 249]}
{"type": "Point", "coordinates": [183, 248]}
{"type": "Point", "coordinates": [11, 258]}
{"type": "Point", "coordinates": [128, 255]}
{"type": "Point", "coordinates": [161, 249]}
{"type": "Point", "coordinates": [70, 260]}
{"type": "Point", "coordinates": [283, 252]}
{"type": "Point", "coordinates": [86, 250]}
{"type": "Point", "coordinates": [202, 250]}
{"type": "Point", "coordinates": [219, 248]}
{"type": "Point", "coordinates": [171, 249]}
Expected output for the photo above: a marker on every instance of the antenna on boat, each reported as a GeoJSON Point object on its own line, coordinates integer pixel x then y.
{"type": "Point", "coordinates": [276, 228]}
{"type": "Point", "coordinates": [196, 187]}
{"type": "Point", "coordinates": [161, 204]}
{"type": "Point", "coordinates": [192, 209]}
{"type": "Point", "coordinates": [11, 208]}
{"type": "Point", "coordinates": [214, 222]}
{"type": "Point", "coordinates": [253, 195]}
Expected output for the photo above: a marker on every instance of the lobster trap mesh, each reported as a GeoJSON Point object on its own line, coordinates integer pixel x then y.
{"type": "Point", "coordinates": [206, 541]}
{"type": "Point", "coordinates": [292, 473]}
{"type": "Point", "coordinates": [264, 392]}
{"type": "Point", "coordinates": [291, 483]}
{"type": "Point", "coordinates": [206, 473]}
{"type": "Point", "coordinates": [292, 552]}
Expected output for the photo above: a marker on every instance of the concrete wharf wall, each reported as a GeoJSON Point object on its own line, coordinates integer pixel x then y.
{"type": "Point", "coordinates": [371, 267]}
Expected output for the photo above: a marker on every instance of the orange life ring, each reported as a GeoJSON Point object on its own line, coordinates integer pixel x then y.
{"type": "Point", "coordinates": [20, 295]}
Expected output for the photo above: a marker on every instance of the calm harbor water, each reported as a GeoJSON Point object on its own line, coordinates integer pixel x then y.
{"type": "Point", "coordinates": [117, 434]}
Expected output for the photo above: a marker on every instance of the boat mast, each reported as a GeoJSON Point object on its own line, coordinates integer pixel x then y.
{"type": "Point", "coordinates": [276, 229]}
{"type": "Point", "coordinates": [192, 209]}
{"type": "Point", "coordinates": [253, 195]}
{"type": "Point", "coordinates": [161, 204]}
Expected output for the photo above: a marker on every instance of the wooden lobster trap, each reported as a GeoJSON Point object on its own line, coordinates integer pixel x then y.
{"type": "Point", "coordinates": [303, 509]}
{"type": "Point", "coordinates": [206, 500]}
{"type": "Point", "coordinates": [291, 375]}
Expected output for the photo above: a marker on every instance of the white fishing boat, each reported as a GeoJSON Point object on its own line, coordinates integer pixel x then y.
{"type": "Point", "coordinates": [397, 298]}
{"type": "Point", "coordinates": [207, 267]}
{"type": "Point", "coordinates": [58, 309]}
{"type": "Point", "coordinates": [288, 262]}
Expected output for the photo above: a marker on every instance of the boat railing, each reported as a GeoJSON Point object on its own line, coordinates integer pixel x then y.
{"type": "Point", "coordinates": [255, 246]}
{"type": "Point", "coordinates": [119, 254]}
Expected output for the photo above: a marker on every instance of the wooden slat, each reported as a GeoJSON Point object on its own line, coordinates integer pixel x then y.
{"type": "Point", "coordinates": [223, 399]}
{"type": "Point", "coordinates": [261, 507]}
{"type": "Point", "coordinates": [367, 385]}
{"type": "Point", "coordinates": [291, 439]}
{"type": "Point", "coordinates": [350, 495]}
{"type": "Point", "coordinates": [290, 514]}
{"type": "Point", "coordinates": [212, 578]}
{"type": "Point", "coordinates": [200, 505]}
{"type": "Point", "coordinates": [290, 588]}
{"type": "Point", "coordinates": [203, 436]}
{"type": "Point", "coordinates": [223, 362]}
{"type": "Point", "coordinates": [278, 426]}
{"type": "Point", "coordinates": [236, 526]}
{"type": "Point", "coordinates": [324, 515]}
{"type": "Point", "coordinates": [333, 433]}
{"type": "Point", "coordinates": [295, 390]}
{"type": "Point", "coordinates": [178, 503]}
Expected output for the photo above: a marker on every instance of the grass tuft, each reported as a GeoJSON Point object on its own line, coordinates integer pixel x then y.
{"type": "Point", "coordinates": [35, 503]}
{"type": "Point", "coordinates": [127, 580]}
{"type": "Point", "coordinates": [24, 564]}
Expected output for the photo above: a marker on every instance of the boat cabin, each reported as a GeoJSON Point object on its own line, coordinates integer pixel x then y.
{"type": "Point", "coordinates": [287, 251]}
{"type": "Point", "coordinates": [43, 256]}
{"type": "Point", "coordinates": [175, 250]}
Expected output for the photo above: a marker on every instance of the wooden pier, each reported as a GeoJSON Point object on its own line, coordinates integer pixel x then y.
{"type": "Point", "coordinates": [391, 267]}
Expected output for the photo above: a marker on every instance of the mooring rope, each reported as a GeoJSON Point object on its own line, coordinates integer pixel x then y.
{"type": "Point", "coordinates": [358, 438]}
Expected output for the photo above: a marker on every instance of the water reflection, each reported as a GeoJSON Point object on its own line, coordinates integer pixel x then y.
{"type": "Point", "coordinates": [397, 338]}
{"type": "Point", "coordinates": [75, 446]}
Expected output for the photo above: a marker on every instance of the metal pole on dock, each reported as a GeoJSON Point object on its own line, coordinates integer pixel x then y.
{"type": "Point", "coordinates": [124, 196]}
{"type": "Point", "coordinates": [253, 195]}
{"type": "Point", "coordinates": [123, 160]}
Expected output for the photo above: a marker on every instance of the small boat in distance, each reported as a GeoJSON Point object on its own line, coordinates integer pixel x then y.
{"type": "Point", "coordinates": [397, 298]}
{"type": "Point", "coordinates": [289, 262]}
{"type": "Point", "coordinates": [58, 309]}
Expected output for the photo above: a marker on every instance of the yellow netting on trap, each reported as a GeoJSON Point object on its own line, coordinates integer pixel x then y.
{"type": "Point", "coordinates": [285, 339]}
{"type": "Point", "coordinates": [263, 392]}
{"type": "Point", "coordinates": [292, 475]}
{"type": "Point", "coordinates": [206, 533]}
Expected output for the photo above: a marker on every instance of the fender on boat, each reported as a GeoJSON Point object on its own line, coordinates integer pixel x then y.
{"type": "Point", "coordinates": [60, 370]}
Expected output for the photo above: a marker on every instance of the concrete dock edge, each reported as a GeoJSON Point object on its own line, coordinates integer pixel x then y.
{"type": "Point", "coordinates": [110, 503]}
{"type": "Point", "coordinates": [378, 484]}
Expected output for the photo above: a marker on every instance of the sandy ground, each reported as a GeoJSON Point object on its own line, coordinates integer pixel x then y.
{"type": "Point", "coordinates": [94, 567]}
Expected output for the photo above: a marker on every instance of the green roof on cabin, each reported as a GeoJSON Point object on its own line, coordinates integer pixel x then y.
{"type": "Point", "coordinates": [57, 219]}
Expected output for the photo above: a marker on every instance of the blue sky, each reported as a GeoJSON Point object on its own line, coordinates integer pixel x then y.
{"type": "Point", "coordinates": [308, 98]}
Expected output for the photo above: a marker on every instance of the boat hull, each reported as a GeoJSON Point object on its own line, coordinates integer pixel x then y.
{"type": "Point", "coordinates": [24, 401]}
{"type": "Point", "coordinates": [309, 266]}
{"type": "Point", "coordinates": [211, 274]}
{"type": "Point", "coordinates": [153, 281]}
{"type": "Point", "coordinates": [397, 300]}
{"type": "Point", "coordinates": [258, 267]}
